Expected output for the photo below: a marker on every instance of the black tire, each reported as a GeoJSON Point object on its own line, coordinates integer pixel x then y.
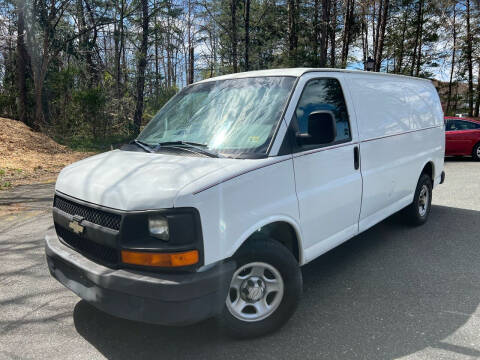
{"type": "Point", "coordinates": [476, 152]}
{"type": "Point", "coordinates": [278, 256]}
{"type": "Point", "coordinates": [414, 212]}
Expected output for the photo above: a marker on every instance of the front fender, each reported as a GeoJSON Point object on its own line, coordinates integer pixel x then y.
{"type": "Point", "coordinates": [235, 208]}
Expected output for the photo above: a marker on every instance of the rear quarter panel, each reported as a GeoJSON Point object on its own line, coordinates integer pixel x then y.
{"type": "Point", "coordinates": [400, 123]}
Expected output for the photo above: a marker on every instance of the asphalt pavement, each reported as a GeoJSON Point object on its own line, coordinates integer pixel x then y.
{"type": "Point", "coordinates": [393, 292]}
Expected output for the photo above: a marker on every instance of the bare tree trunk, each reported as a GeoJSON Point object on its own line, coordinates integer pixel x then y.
{"type": "Point", "coordinates": [374, 39]}
{"type": "Point", "coordinates": [213, 42]}
{"type": "Point", "coordinates": [324, 38]}
{"type": "Point", "coordinates": [469, 60]}
{"type": "Point", "coordinates": [454, 49]}
{"type": "Point", "coordinates": [169, 61]}
{"type": "Point", "coordinates": [292, 32]}
{"type": "Point", "coordinates": [364, 28]}
{"type": "Point", "coordinates": [116, 52]}
{"type": "Point", "coordinates": [186, 55]}
{"type": "Point", "coordinates": [22, 60]}
{"type": "Point", "coordinates": [190, 56]}
{"type": "Point", "coordinates": [124, 58]}
{"type": "Point", "coordinates": [381, 34]}
{"type": "Point", "coordinates": [118, 38]}
{"type": "Point", "coordinates": [39, 115]}
{"type": "Point", "coordinates": [347, 29]}
{"type": "Point", "coordinates": [333, 29]}
{"type": "Point", "coordinates": [477, 102]}
{"type": "Point", "coordinates": [39, 73]}
{"type": "Point", "coordinates": [420, 41]}
{"type": "Point", "coordinates": [91, 46]}
{"type": "Point", "coordinates": [398, 67]}
{"type": "Point", "coordinates": [247, 34]}
{"type": "Point", "coordinates": [142, 64]}
{"type": "Point", "coordinates": [168, 46]}
{"type": "Point", "coordinates": [233, 8]}
{"type": "Point", "coordinates": [377, 30]}
{"type": "Point", "coordinates": [157, 62]}
{"type": "Point", "coordinates": [316, 23]}
{"type": "Point", "coordinates": [417, 36]}
{"type": "Point", "coordinates": [191, 68]}
{"type": "Point", "coordinates": [84, 42]}
{"type": "Point", "coordinates": [175, 65]}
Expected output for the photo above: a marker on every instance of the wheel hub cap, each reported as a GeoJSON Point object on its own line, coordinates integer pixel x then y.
{"type": "Point", "coordinates": [423, 199]}
{"type": "Point", "coordinates": [256, 291]}
{"type": "Point", "coordinates": [252, 289]}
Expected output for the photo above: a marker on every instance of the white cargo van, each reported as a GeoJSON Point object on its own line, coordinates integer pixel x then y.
{"type": "Point", "coordinates": [235, 184]}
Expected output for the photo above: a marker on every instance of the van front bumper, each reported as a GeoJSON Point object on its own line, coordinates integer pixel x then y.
{"type": "Point", "coordinates": [159, 298]}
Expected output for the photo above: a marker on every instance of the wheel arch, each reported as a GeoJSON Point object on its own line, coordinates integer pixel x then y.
{"type": "Point", "coordinates": [283, 229]}
{"type": "Point", "coordinates": [429, 169]}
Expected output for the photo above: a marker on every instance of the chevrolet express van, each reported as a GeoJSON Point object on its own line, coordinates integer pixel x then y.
{"type": "Point", "coordinates": [236, 183]}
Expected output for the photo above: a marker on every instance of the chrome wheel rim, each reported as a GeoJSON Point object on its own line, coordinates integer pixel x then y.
{"type": "Point", "coordinates": [256, 291]}
{"type": "Point", "coordinates": [478, 152]}
{"type": "Point", "coordinates": [423, 201]}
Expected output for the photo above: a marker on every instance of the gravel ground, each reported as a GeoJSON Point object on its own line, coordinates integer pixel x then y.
{"type": "Point", "coordinates": [393, 292]}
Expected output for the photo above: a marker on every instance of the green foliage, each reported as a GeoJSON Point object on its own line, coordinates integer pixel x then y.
{"type": "Point", "coordinates": [91, 144]}
{"type": "Point", "coordinates": [91, 102]}
{"type": "Point", "coordinates": [7, 104]}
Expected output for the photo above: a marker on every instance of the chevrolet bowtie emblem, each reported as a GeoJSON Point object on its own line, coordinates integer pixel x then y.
{"type": "Point", "coordinates": [75, 226]}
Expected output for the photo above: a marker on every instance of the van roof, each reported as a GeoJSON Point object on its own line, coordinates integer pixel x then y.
{"type": "Point", "coordinates": [300, 71]}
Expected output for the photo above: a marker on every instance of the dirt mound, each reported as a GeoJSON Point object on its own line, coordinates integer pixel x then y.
{"type": "Point", "coordinates": [29, 157]}
{"type": "Point", "coordinates": [16, 136]}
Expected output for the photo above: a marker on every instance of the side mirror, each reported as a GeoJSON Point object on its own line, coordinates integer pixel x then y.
{"type": "Point", "coordinates": [322, 129]}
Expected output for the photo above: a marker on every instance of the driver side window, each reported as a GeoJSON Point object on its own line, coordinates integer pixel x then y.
{"type": "Point", "coordinates": [323, 94]}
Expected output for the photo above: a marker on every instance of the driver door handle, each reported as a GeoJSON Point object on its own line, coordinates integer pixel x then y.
{"type": "Point", "coordinates": [356, 157]}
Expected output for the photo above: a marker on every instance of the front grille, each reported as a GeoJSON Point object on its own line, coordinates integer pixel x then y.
{"type": "Point", "coordinates": [88, 247]}
{"type": "Point", "coordinates": [96, 216]}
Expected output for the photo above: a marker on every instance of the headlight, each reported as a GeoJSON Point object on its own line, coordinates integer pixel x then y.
{"type": "Point", "coordinates": [158, 226]}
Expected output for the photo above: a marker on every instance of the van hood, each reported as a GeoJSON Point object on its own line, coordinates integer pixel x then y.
{"type": "Point", "coordinates": [128, 180]}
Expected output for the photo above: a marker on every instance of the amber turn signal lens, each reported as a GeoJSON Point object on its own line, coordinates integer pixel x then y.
{"type": "Point", "coordinates": [160, 259]}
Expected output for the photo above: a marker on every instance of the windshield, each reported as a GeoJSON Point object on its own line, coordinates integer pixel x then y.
{"type": "Point", "coordinates": [236, 117]}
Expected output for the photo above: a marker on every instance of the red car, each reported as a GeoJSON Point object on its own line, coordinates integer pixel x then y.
{"type": "Point", "coordinates": [462, 137]}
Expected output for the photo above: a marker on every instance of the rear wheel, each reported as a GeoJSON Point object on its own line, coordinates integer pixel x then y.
{"type": "Point", "coordinates": [476, 152]}
{"type": "Point", "coordinates": [264, 290]}
{"type": "Point", "coordinates": [417, 212]}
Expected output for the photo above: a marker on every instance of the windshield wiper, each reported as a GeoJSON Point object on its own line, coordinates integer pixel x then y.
{"type": "Point", "coordinates": [189, 145]}
{"type": "Point", "coordinates": [142, 145]}
{"type": "Point", "coordinates": [181, 142]}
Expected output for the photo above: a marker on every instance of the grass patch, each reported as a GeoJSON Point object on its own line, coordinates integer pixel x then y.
{"type": "Point", "coordinates": [4, 175]}
{"type": "Point", "coordinates": [5, 185]}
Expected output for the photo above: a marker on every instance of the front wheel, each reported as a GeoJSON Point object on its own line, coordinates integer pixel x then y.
{"type": "Point", "coordinates": [264, 290]}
